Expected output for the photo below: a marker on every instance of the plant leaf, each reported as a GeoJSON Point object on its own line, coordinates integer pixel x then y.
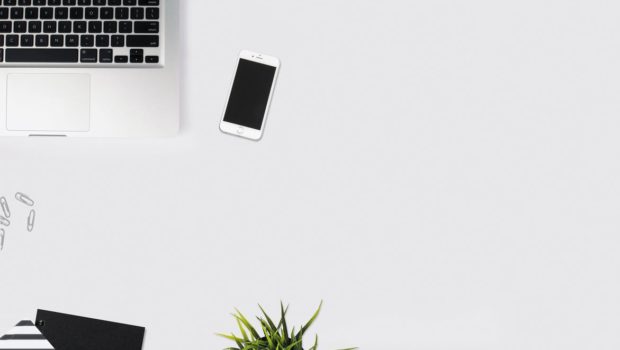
{"type": "Point", "coordinates": [283, 322]}
{"type": "Point", "coordinates": [232, 337]}
{"type": "Point", "coordinates": [244, 334]}
{"type": "Point", "coordinates": [293, 345]}
{"type": "Point", "coordinates": [316, 343]}
{"type": "Point", "coordinates": [268, 336]}
{"type": "Point", "coordinates": [311, 321]}
{"type": "Point", "coordinates": [271, 324]}
{"type": "Point", "coordinates": [229, 337]}
{"type": "Point", "coordinates": [239, 316]}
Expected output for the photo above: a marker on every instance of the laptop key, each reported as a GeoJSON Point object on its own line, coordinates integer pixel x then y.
{"type": "Point", "coordinates": [42, 40]}
{"type": "Point", "coordinates": [12, 40]}
{"type": "Point", "coordinates": [106, 55]}
{"type": "Point", "coordinates": [152, 13]}
{"type": "Point", "coordinates": [146, 27]}
{"type": "Point", "coordinates": [32, 13]}
{"type": "Point", "coordinates": [95, 27]}
{"type": "Point", "coordinates": [121, 59]}
{"type": "Point", "coordinates": [137, 13]}
{"type": "Point", "coordinates": [79, 27]}
{"type": "Point", "coordinates": [42, 55]}
{"type": "Point", "coordinates": [17, 13]}
{"type": "Point", "coordinates": [136, 55]}
{"type": "Point", "coordinates": [49, 27]}
{"type": "Point", "coordinates": [5, 27]}
{"type": "Point", "coordinates": [64, 27]}
{"type": "Point", "coordinates": [92, 13]}
{"type": "Point", "coordinates": [76, 13]}
{"type": "Point", "coordinates": [125, 27]}
{"type": "Point", "coordinates": [57, 41]}
{"type": "Point", "coordinates": [110, 27]}
{"type": "Point", "coordinates": [118, 41]}
{"type": "Point", "coordinates": [143, 40]}
{"type": "Point", "coordinates": [34, 27]}
{"type": "Point", "coordinates": [87, 40]}
{"type": "Point", "coordinates": [73, 40]}
{"type": "Point", "coordinates": [106, 13]}
{"type": "Point", "coordinates": [20, 26]}
{"type": "Point", "coordinates": [46, 13]}
{"type": "Point", "coordinates": [62, 13]}
{"type": "Point", "coordinates": [102, 40]}
{"type": "Point", "coordinates": [88, 55]}
{"type": "Point", "coordinates": [122, 13]}
{"type": "Point", "coordinates": [151, 59]}
{"type": "Point", "coordinates": [27, 40]}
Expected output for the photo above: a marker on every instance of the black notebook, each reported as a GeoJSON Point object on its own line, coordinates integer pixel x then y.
{"type": "Point", "coordinates": [68, 332]}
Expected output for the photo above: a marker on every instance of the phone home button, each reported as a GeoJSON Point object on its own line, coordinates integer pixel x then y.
{"type": "Point", "coordinates": [241, 130]}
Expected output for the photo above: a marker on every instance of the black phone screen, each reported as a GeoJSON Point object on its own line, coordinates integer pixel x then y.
{"type": "Point", "coordinates": [250, 94]}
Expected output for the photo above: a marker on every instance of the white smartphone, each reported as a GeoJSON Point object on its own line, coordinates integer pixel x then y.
{"type": "Point", "coordinates": [250, 95]}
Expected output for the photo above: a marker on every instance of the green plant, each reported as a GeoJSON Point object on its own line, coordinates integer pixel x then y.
{"type": "Point", "coordinates": [273, 337]}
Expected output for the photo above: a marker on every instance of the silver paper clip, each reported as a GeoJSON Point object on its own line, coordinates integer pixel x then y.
{"type": "Point", "coordinates": [4, 221]}
{"type": "Point", "coordinates": [24, 199]}
{"type": "Point", "coordinates": [5, 207]}
{"type": "Point", "coordinates": [31, 218]}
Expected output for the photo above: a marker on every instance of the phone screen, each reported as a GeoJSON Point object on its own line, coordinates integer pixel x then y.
{"type": "Point", "coordinates": [250, 94]}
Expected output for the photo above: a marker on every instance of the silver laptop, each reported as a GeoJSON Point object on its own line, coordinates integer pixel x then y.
{"type": "Point", "coordinates": [89, 68]}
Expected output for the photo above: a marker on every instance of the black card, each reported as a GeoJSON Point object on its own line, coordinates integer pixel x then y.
{"type": "Point", "coordinates": [68, 332]}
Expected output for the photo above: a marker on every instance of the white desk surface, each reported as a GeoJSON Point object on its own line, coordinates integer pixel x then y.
{"type": "Point", "coordinates": [444, 174]}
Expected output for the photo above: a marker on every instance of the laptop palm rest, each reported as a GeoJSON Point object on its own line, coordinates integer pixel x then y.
{"type": "Point", "coordinates": [48, 103]}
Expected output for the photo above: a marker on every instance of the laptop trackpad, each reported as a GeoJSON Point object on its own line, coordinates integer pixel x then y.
{"type": "Point", "coordinates": [48, 102]}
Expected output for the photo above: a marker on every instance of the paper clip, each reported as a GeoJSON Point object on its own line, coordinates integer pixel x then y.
{"type": "Point", "coordinates": [4, 221]}
{"type": "Point", "coordinates": [2, 239]}
{"type": "Point", "coordinates": [5, 207]}
{"type": "Point", "coordinates": [24, 199]}
{"type": "Point", "coordinates": [31, 218]}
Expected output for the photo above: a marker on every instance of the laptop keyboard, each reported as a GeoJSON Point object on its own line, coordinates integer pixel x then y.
{"type": "Point", "coordinates": [82, 32]}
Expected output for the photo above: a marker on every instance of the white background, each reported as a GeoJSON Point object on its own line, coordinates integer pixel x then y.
{"type": "Point", "coordinates": [444, 174]}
